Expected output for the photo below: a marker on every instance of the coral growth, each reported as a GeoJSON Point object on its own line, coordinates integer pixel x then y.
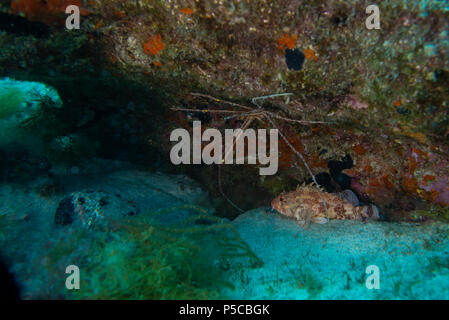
{"type": "Point", "coordinates": [50, 12]}
{"type": "Point", "coordinates": [187, 11]}
{"type": "Point", "coordinates": [287, 41]}
{"type": "Point", "coordinates": [154, 45]}
{"type": "Point", "coordinates": [384, 92]}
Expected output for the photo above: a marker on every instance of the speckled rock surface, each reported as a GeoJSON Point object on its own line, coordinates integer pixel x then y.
{"type": "Point", "coordinates": [29, 232]}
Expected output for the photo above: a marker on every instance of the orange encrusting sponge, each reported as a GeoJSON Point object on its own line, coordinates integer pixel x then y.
{"type": "Point", "coordinates": [50, 12]}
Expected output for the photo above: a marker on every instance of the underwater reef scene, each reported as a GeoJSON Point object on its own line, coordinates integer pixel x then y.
{"type": "Point", "coordinates": [224, 149]}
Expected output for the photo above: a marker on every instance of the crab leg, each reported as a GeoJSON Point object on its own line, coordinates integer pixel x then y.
{"type": "Point", "coordinates": [303, 160]}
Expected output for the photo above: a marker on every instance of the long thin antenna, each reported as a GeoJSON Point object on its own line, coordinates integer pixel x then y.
{"type": "Point", "coordinates": [305, 164]}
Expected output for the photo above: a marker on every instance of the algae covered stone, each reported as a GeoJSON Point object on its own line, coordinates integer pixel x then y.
{"type": "Point", "coordinates": [20, 102]}
{"type": "Point", "coordinates": [20, 99]}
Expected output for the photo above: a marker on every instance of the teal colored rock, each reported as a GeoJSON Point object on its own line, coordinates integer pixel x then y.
{"type": "Point", "coordinates": [430, 50]}
{"type": "Point", "coordinates": [19, 102]}
{"type": "Point", "coordinates": [19, 99]}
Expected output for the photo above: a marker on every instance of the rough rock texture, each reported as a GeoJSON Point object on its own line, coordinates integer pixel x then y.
{"type": "Point", "coordinates": [29, 235]}
{"type": "Point", "coordinates": [384, 92]}
{"type": "Point", "coordinates": [92, 209]}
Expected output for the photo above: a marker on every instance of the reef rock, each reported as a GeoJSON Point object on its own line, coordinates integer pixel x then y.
{"type": "Point", "coordinates": [20, 102]}
{"type": "Point", "coordinates": [92, 209]}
